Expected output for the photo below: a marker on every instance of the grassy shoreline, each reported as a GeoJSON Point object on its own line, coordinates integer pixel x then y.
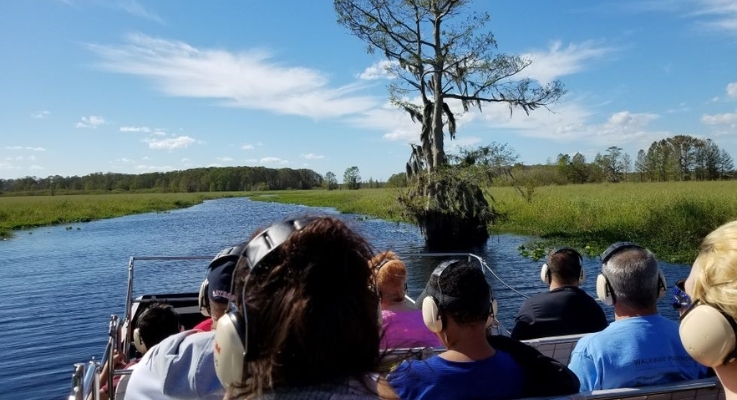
{"type": "Point", "coordinates": [671, 218]}
{"type": "Point", "coordinates": [23, 212]}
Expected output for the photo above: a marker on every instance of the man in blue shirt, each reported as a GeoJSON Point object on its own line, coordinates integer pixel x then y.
{"type": "Point", "coordinates": [457, 307]}
{"type": "Point", "coordinates": [640, 347]}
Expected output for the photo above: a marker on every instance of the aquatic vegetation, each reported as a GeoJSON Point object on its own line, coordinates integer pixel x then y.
{"type": "Point", "coordinates": [670, 218]}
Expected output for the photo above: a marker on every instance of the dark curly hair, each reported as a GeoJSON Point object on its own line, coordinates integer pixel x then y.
{"type": "Point", "coordinates": [312, 311]}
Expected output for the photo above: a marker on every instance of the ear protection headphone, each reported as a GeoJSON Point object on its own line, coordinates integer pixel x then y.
{"type": "Point", "coordinates": [708, 334]}
{"type": "Point", "coordinates": [435, 301]}
{"type": "Point", "coordinates": [230, 253]}
{"type": "Point", "coordinates": [546, 275]}
{"type": "Point", "coordinates": [604, 290]}
{"type": "Point", "coordinates": [231, 335]}
{"type": "Point", "coordinates": [140, 346]}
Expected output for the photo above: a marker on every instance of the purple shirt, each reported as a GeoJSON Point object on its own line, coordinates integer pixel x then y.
{"type": "Point", "coordinates": [406, 329]}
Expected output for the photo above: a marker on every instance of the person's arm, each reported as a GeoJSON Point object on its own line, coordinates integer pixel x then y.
{"type": "Point", "coordinates": [117, 364]}
{"type": "Point", "coordinates": [522, 329]}
{"type": "Point", "coordinates": [585, 369]}
{"type": "Point", "coordinates": [385, 390]}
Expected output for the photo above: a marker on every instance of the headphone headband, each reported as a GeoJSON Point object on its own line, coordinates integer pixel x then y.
{"type": "Point", "coordinates": [233, 252]}
{"type": "Point", "coordinates": [265, 242]}
{"type": "Point", "coordinates": [616, 248]}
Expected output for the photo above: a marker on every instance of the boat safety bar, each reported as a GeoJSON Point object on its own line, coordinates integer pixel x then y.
{"type": "Point", "coordinates": [86, 381]}
{"type": "Point", "coordinates": [129, 294]}
{"type": "Point", "coordinates": [484, 266]}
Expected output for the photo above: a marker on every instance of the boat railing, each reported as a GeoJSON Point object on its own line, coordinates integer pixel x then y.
{"type": "Point", "coordinates": [701, 389]}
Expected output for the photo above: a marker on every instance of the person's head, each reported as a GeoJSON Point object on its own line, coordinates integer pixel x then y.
{"type": "Point", "coordinates": [708, 327]}
{"type": "Point", "coordinates": [155, 324]}
{"type": "Point", "coordinates": [456, 294]}
{"type": "Point", "coordinates": [391, 277]}
{"type": "Point", "coordinates": [630, 278]}
{"type": "Point", "coordinates": [564, 267]}
{"type": "Point", "coordinates": [215, 292]}
{"type": "Point", "coordinates": [307, 309]}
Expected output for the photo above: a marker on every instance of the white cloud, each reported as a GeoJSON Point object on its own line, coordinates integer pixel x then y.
{"type": "Point", "coordinates": [273, 160]}
{"type": "Point", "coordinates": [153, 168]}
{"type": "Point", "coordinates": [249, 79]}
{"type": "Point", "coordinates": [41, 114]}
{"type": "Point", "coordinates": [378, 70]}
{"type": "Point", "coordinates": [726, 119]}
{"type": "Point", "coordinates": [36, 168]}
{"type": "Point", "coordinates": [134, 8]}
{"type": "Point", "coordinates": [125, 160]}
{"type": "Point", "coordinates": [224, 159]}
{"type": "Point", "coordinates": [312, 156]}
{"type": "Point", "coordinates": [732, 90]}
{"type": "Point", "coordinates": [626, 118]}
{"type": "Point", "coordinates": [25, 148]}
{"type": "Point", "coordinates": [7, 165]}
{"type": "Point", "coordinates": [179, 142]}
{"type": "Point", "coordinates": [717, 15]}
{"type": "Point", "coordinates": [185, 159]}
{"type": "Point", "coordinates": [143, 129]}
{"type": "Point", "coordinates": [247, 147]}
{"type": "Point", "coordinates": [90, 122]}
{"type": "Point", "coordinates": [251, 160]}
{"type": "Point", "coordinates": [558, 61]}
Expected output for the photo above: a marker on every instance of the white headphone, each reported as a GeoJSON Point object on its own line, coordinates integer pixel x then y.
{"type": "Point", "coordinates": [435, 301]}
{"type": "Point", "coordinates": [204, 300]}
{"type": "Point", "coordinates": [708, 334]}
{"type": "Point", "coordinates": [546, 275]}
{"type": "Point", "coordinates": [138, 342]}
{"type": "Point", "coordinates": [604, 290]}
{"type": "Point", "coordinates": [231, 335]}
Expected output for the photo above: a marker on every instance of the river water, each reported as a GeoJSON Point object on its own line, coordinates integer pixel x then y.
{"type": "Point", "coordinates": [60, 285]}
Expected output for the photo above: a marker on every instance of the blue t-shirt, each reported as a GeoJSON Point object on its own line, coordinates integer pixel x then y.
{"type": "Point", "coordinates": [495, 378]}
{"type": "Point", "coordinates": [637, 351]}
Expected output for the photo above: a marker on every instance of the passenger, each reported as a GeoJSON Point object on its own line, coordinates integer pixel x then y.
{"type": "Point", "coordinates": [306, 319]}
{"type": "Point", "coordinates": [458, 306]}
{"type": "Point", "coordinates": [709, 327]}
{"type": "Point", "coordinates": [640, 347]}
{"type": "Point", "coordinates": [215, 290]}
{"type": "Point", "coordinates": [565, 309]}
{"type": "Point", "coordinates": [402, 322]}
{"type": "Point", "coordinates": [182, 366]}
{"type": "Point", "coordinates": [155, 324]}
{"type": "Point", "coordinates": [681, 300]}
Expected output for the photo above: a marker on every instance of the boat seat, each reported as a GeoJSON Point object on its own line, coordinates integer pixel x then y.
{"type": "Point", "coordinates": [698, 389]}
{"type": "Point", "coordinates": [556, 347]}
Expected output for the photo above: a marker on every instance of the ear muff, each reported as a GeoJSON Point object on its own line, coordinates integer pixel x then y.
{"type": "Point", "coordinates": [545, 274]}
{"type": "Point", "coordinates": [708, 335]}
{"type": "Point", "coordinates": [204, 300]}
{"type": "Point", "coordinates": [230, 348]}
{"type": "Point", "coordinates": [604, 290]}
{"type": "Point", "coordinates": [231, 335]}
{"type": "Point", "coordinates": [140, 346]}
{"type": "Point", "coordinates": [431, 315]}
{"type": "Point", "coordinates": [662, 285]}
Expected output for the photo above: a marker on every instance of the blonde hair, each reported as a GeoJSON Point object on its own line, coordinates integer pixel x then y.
{"type": "Point", "coordinates": [715, 281]}
{"type": "Point", "coordinates": [391, 275]}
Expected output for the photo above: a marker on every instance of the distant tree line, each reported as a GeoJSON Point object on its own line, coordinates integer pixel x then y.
{"type": "Point", "coordinates": [683, 158]}
{"type": "Point", "coordinates": [214, 179]}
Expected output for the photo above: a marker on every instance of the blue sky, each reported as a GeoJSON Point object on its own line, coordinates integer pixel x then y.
{"type": "Point", "coordinates": [135, 86]}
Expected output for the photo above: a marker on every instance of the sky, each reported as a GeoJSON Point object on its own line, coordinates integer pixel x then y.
{"type": "Point", "coordinates": [134, 86]}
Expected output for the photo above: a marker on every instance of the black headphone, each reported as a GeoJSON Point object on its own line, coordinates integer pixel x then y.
{"type": "Point", "coordinates": [231, 335]}
{"type": "Point", "coordinates": [604, 290]}
{"type": "Point", "coordinates": [436, 300]}
{"type": "Point", "coordinates": [545, 274]}
{"type": "Point", "coordinates": [232, 253]}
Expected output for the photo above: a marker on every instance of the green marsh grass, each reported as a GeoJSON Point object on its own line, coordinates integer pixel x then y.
{"type": "Point", "coordinates": [32, 211]}
{"type": "Point", "coordinates": [671, 218]}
